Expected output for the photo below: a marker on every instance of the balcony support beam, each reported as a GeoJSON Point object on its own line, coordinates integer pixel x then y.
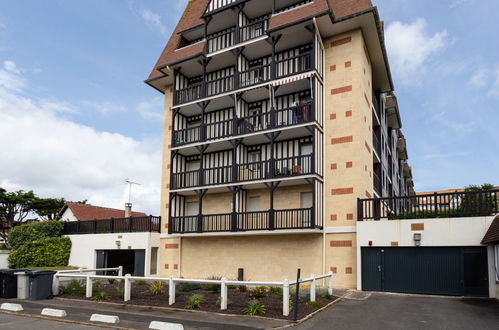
{"type": "Point", "coordinates": [170, 208]}
{"type": "Point", "coordinates": [235, 144]}
{"type": "Point", "coordinates": [200, 194]}
{"type": "Point", "coordinates": [234, 190]}
{"type": "Point", "coordinates": [207, 20]}
{"type": "Point", "coordinates": [272, 186]}
{"type": "Point", "coordinates": [237, 10]}
{"type": "Point", "coordinates": [273, 42]}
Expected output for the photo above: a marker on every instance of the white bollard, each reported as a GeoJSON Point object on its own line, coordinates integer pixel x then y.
{"type": "Point", "coordinates": [157, 325]}
{"type": "Point", "coordinates": [171, 291]}
{"type": "Point", "coordinates": [330, 283]}
{"type": "Point", "coordinates": [120, 271]}
{"type": "Point", "coordinates": [11, 307]}
{"type": "Point", "coordinates": [223, 294]}
{"type": "Point", "coordinates": [54, 312]}
{"type": "Point", "coordinates": [285, 298]}
{"type": "Point", "coordinates": [104, 318]}
{"type": "Point", "coordinates": [312, 288]}
{"type": "Point", "coordinates": [128, 288]}
{"type": "Point", "coordinates": [89, 287]}
{"type": "Point", "coordinates": [55, 285]}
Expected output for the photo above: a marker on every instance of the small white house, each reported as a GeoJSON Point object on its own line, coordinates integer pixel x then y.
{"type": "Point", "coordinates": [104, 237]}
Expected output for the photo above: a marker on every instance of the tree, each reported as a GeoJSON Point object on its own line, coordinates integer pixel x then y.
{"type": "Point", "coordinates": [48, 208]}
{"type": "Point", "coordinates": [478, 200]}
{"type": "Point", "coordinates": [14, 208]}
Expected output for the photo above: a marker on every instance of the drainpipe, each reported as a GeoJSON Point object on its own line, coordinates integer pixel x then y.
{"type": "Point", "coordinates": [324, 222]}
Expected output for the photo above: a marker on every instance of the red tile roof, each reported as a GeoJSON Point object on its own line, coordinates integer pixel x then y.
{"type": "Point", "coordinates": [492, 235]}
{"type": "Point", "coordinates": [196, 8]}
{"type": "Point", "coordinates": [90, 212]}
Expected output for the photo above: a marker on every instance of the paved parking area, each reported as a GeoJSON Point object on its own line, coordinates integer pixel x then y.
{"type": "Point", "coordinates": [396, 311]}
{"type": "Point", "coordinates": [14, 322]}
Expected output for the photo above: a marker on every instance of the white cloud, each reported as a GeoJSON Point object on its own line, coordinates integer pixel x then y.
{"type": "Point", "coordinates": [457, 3]}
{"type": "Point", "coordinates": [449, 121]}
{"type": "Point", "coordinates": [43, 151]}
{"type": "Point", "coordinates": [153, 20]}
{"type": "Point", "coordinates": [410, 47]}
{"type": "Point", "coordinates": [10, 77]}
{"type": "Point", "coordinates": [495, 85]}
{"type": "Point", "coordinates": [152, 109]}
{"type": "Point", "coordinates": [479, 79]}
{"type": "Point", "coordinates": [104, 108]}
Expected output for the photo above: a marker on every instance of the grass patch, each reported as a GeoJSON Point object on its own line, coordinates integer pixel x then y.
{"type": "Point", "coordinates": [317, 304]}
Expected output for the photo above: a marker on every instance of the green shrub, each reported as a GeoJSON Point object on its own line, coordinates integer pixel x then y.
{"type": "Point", "coordinates": [157, 288]}
{"type": "Point", "coordinates": [276, 291]}
{"type": "Point", "coordinates": [101, 297]}
{"type": "Point", "coordinates": [258, 292]}
{"type": "Point", "coordinates": [74, 287]}
{"type": "Point", "coordinates": [188, 287]}
{"type": "Point", "coordinates": [254, 308]}
{"type": "Point", "coordinates": [34, 231]}
{"type": "Point", "coordinates": [326, 295]}
{"type": "Point", "coordinates": [50, 252]}
{"type": "Point", "coordinates": [140, 282]}
{"type": "Point", "coordinates": [317, 304]}
{"type": "Point", "coordinates": [219, 301]}
{"type": "Point", "coordinates": [120, 291]}
{"type": "Point", "coordinates": [195, 301]}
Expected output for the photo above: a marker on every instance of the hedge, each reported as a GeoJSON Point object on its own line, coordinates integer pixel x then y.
{"type": "Point", "coordinates": [49, 252]}
{"type": "Point", "coordinates": [34, 231]}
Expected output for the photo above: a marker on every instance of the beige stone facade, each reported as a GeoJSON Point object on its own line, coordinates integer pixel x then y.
{"type": "Point", "coordinates": [348, 162]}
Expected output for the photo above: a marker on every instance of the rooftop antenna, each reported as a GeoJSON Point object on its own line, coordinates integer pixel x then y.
{"type": "Point", "coordinates": [130, 183]}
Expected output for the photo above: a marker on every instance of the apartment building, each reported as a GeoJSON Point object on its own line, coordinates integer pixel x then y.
{"type": "Point", "coordinates": [279, 115]}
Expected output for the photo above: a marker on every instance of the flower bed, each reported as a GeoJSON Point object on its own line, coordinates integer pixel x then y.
{"type": "Point", "coordinates": [206, 297]}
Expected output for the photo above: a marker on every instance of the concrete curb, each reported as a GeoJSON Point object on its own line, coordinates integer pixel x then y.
{"type": "Point", "coordinates": [54, 312]}
{"type": "Point", "coordinates": [160, 308]}
{"type": "Point", "coordinates": [157, 325]}
{"type": "Point", "coordinates": [48, 318]}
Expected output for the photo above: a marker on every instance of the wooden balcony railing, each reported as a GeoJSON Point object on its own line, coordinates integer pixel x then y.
{"type": "Point", "coordinates": [245, 221]}
{"type": "Point", "coordinates": [253, 171]}
{"type": "Point", "coordinates": [301, 113]}
{"type": "Point", "coordinates": [438, 205]}
{"type": "Point", "coordinates": [235, 35]}
{"type": "Point", "coordinates": [113, 225]}
{"type": "Point", "coordinates": [279, 69]}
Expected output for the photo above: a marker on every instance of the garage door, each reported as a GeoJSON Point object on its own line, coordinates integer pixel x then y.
{"type": "Point", "coordinates": [429, 270]}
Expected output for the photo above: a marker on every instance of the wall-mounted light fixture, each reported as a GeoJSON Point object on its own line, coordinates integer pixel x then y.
{"type": "Point", "coordinates": [417, 239]}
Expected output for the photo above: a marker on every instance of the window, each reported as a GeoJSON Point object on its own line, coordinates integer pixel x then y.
{"type": "Point", "coordinates": [306, 200]}
{"type": "Point", "coordinates": [191, 208]}
{"type": "Point", "coordinates": [253, 204]}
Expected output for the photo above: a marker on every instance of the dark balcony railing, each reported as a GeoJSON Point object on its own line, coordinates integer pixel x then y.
{"type": "Point", "coordinates": [254, 76]}
{"type": "Point", "coordinates": [221, 40]}
{"type": "Point", "coordinates": [245, 221]}
{"type": "Point", "coordinates": [377, 184]}
{"type": "Point", "coordinates": [113, 225]}
{"type": "Point", "coordinates": [301, 113]}
{"type": "Point", "coordinates": [253, 30]}
{"type": "Point", "coordinates": [294, 65]}
{"type": "Point", "coordinates": [283, 68]}
{"type": "Point", "coordinates": [253, 171]}
{"type": "Point", "coordinates": [377, 145]}
{"type": "Point", "coordinates": [443, 205]}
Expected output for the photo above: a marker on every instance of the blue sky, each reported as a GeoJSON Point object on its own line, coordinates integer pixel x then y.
{"type": "Point", "coordinates": [76, 118]}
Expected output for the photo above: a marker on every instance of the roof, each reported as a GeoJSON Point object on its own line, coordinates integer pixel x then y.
{"type": "Point", "coordinates": [90, 212]}
{"type": "Point", "coordinates": [492, 235]}
{"type": "Point", "coordinates": [447, 191]}
{"type": "Point", "coordinates": [192, 17]}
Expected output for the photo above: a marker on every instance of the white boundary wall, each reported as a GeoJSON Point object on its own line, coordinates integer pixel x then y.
{"type": "Point", "coordinates": [84, 247]}
{"type": "Point", "coordinates": [437, 232]}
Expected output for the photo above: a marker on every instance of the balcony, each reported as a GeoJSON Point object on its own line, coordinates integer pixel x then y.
{"type": "Point", "coordinates": [113, 225]}
{"type": "Point", "coordinates": [439, 205]}
{"type": "Point", "coordinates": [235, 35]}
{"type": "Point", "coordinates": [376, 106]}
{"type": "Point", "coordinates": [295, 115]}
{"type": "Point", "coordinates": [245, 79]}
{"type": "Point", "coordinates": [254, 171]}
{"type": "Point", "coordinates": [245, 221]}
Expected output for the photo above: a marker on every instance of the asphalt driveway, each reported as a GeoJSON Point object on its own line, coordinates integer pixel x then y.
{"type": "Point", "coordinates": [396, 311]}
